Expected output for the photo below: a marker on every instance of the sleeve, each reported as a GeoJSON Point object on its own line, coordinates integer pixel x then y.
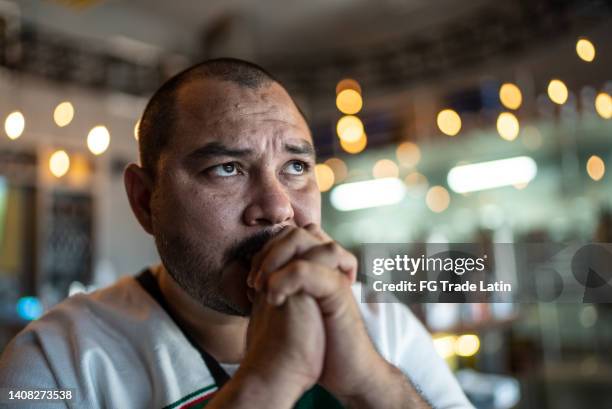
{"type": "Point", "coordinates": [403, 341]}
{"type": "Point", "coordinates": [23, 366]}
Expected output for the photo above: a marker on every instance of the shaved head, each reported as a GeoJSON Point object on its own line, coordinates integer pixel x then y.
{"type": "Point", "coordinates": [161, 115]}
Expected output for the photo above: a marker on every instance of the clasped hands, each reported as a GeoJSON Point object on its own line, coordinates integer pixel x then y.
{"type": "Point", "coordinates": [305, 326]}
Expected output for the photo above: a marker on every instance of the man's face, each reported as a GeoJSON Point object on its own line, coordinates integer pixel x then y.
{"type": "Point", "coordinates": [239, 167]}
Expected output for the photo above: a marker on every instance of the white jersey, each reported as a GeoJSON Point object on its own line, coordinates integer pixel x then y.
{"type": "Point", "coordinates": [117, 348]}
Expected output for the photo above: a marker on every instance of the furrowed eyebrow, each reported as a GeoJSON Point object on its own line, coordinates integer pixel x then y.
{"type": "Point", "coordinates": [301, 149]}
{"type": "Point", "coordinates": [213, 149]}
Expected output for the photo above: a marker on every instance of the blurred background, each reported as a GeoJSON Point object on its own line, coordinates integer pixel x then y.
{"type": "Point", "coordinates": [435, 121]}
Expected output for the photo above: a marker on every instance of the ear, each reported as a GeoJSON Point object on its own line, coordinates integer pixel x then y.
{"type": "Point", "coordinates": [139, 188]}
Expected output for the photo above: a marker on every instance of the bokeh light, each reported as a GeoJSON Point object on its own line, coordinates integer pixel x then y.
{"type": "Point", "coordinates": [325, 177]}
{"type": "Point", "coordinates": [585, 49]}
{"type": "Point", "coordinates": [63, 114]}
{"type": "Point", "coordinates": [355, 147]}
{"type": "Point", "coordinates": [80, 170]}
{"type": "Point", "coordinates": [603, 105]}
{"type": "Point", "coordinates": [29, 308]}
{"type": "Point", "coordinates": [347, 83]}
{"type": "Point", "coordinates": [59, 163]}
{"type": "Point", "coordinates": [437, 199]}
{"type": "Point", "coordinates": [349, 128]}
{"type": "Point", "coordinates": [445, 345]}
{"type": "Point", "coordinates": [349, 101]}
{"type": "Point", "coordinates": [596, 168]}
{"type": "Point", "coordinates": [508, 126]}
{"type": "Point", "coordinates": [557, 91]}
{"type": "Point", "coordinates": [467, 345]}
{"type": "Point", "coordinates": [408, 154]}
{"type": "Point", "coordinates": [510, 96]}
{"type": "Point", "coordinates": [339, 168]}
{"type": "Point", "coordinates": [98, 140]}
{"type": "Point", "coordinates": [385, 168]}
{"type": "Point", "coordinates": [449, 122]}
{"type": "Point", "coordinates": [14, 125]}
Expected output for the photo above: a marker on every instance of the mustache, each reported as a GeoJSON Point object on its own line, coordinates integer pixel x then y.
{"type": "Point", "coordinates": [245, 249]}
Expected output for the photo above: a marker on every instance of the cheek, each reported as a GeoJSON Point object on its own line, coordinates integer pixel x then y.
{"type": "Point", "coordinates": [190, 210]}
{"type": "Point", "coordinates": [307, 205]}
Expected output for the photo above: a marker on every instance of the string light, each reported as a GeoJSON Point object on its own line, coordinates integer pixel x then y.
{"type": "Point", "coordinates": [347, 83]}
{"type": "Point", "coordinates": [449, 122]}
{"type": "Point", "coordinates": [603, 105]}
{"type": "Point", "coordinates": [585, 50]}
{"type": "Point", "coordinates": [59, 163]}
{"type": "Point", "coordinates": [349, 101]}
{"type": "Point", "coordinates": [349, 128]}
{"type": "Point", "coordinates": [510, 96]}
{"type": "Point", "coordinates": [507, 126]}
{"type": "Point", "coordinates": [63, 114]}
{"type": "Point", "coordinates": [14, 125]}
{"type": "Point", "coordinates": [596, 168]}
{"type": "Point", "coordinates": [98, 140]}
{"type": "Point", "coordinates": [557, 91]}
{"type": "Point", "coordinates": [354, 147]}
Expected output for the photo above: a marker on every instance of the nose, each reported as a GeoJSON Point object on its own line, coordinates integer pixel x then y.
{"type": "Point", "coordinates": [270, 204]}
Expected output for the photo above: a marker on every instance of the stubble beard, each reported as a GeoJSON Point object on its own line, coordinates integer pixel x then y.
{"type": "Point", "coordinates": [198, 273]}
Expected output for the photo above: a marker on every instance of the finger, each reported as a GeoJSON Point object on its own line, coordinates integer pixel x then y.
{"type": "Point", "coordinates": [313, 279]}
{"type": "Point", "coordinates": [284, 250]}
{"type": "Point", "coordinates": [317, 231]}
{"type": "Point", "coordinates": [310, 227]}
{"type": "Point", "coordinates": [256, 260]}
{"type": "Point", "coordinates": [350, 263]}
{"type": "Point", "coordinates": [333, 256]}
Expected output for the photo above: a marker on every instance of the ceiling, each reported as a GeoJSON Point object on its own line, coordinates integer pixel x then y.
{"type": "Point", "coordinates": [246, 27]}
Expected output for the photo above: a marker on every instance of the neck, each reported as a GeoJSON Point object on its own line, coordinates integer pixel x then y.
{"type": "Point", "coordinates": [221, 335]}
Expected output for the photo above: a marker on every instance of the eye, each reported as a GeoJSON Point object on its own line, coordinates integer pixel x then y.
{"type": "Point", "coordinates": [225, 169]}
{"type": "Point", "coordinates": [296, 167]}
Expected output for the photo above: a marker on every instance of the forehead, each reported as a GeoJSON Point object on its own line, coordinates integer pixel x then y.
{"type": "Point", "coordinates": [211, 110]}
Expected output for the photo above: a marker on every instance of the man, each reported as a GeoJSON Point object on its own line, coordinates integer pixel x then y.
{"type": "Point", "coordinates": [253, 305]}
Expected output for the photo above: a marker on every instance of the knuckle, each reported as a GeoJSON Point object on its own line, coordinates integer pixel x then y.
{"type": "Point", "coordinates": [311, 227]}
{"type": "Point", "coordinates": [295, 233]}
{"type": "Point", "coordinates": [275, 283]}
{"type": "Point", "coordinates": [334, 248]}
{"type": "Point", "coordinates": [300, 268]}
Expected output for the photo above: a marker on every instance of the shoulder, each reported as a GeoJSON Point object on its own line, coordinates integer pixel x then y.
{"type": "Point", "coordinates": [122, 301]}
{"type": "Point", "coordinates": [67, 342]}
